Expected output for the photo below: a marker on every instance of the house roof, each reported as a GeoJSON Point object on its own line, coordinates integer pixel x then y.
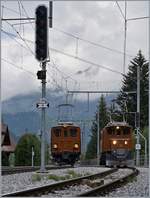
{"type": "Point", "coordinates": [7, 142]}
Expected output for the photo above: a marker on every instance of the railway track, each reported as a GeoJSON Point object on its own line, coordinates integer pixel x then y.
{"type": "Point", "coordinates": [101, 184]}
{"type": "Point", "coordinates": [104, 189]}
{"type": "Point", "coordinates": [46, 189]}
{"type": "Point", "coordinates": [22, 169]}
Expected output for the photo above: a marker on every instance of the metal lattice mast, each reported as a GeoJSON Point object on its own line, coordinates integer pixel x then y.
{"type": "Point", "coordinates": [138, 116]}
{"type": "Point", "coordinates": [125, 37]}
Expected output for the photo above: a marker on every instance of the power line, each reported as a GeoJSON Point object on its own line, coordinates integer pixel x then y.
{"type": "Point", "coordinates": [12, 37]}
{"type": "Point", "coordinates": [78, 38]}
{"type": "Point", "coordinates": [86, 61]}
{"type": "Point", "coordinates": [80, 59]}
{"type": "Point", "coordinates": [18, 67]}
{"type": "Point", "coordinates": [138, 18]}
{"type": "Point", "coordinates": [120, 10]}
{"type": "Point", "coordinates": [21, 38]}
{"type": "Point", "coordinates": [10, 9]}
{"type": "Point", "coordinates": [92, 43]}
{"type": "Point", "coordinates": [25, 12]}
{"type": "Point", "coordinates": [61, 72]}
{"type": "Point", "coordinates": [71, 35]}
{"type": "Point", "coordinates": [21, 68]}
{"type": "Point", "coordinates": [81, 39]}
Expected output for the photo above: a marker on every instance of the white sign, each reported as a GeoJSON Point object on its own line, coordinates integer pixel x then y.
{"type": "Point", "coordinates": [138, 146]}
{"type": "Point", "coordinates": [42, 105]}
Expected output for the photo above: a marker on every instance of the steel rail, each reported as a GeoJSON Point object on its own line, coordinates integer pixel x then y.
{"type": "Point", "coordinates": [38, 191]}
{"type": "Point", "coordinates": [106, 188]}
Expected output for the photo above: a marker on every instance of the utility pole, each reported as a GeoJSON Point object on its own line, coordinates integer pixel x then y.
{"type": "Point", "coordinates": [98, 138]}
{"type": "Point", "coordinates": [32, 156]}
{"type": "Point", "coordinates": [125, 37]}
{"type": "Point", "coordinates": [138, 118]}
{"type": "Point", "coordinates": [43, 122]}
{"type": "Point", "coordinates": [41, 55]}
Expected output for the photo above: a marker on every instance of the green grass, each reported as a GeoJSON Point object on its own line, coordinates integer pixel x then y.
{"type": "Point", "coordinates": [73, 174]}
{"type": "Point", "coordinates": [57, 178]}
{"type": "Point", "coordinates": [70, 175]}
{"type": "Point", "coordinates": [36, 177]}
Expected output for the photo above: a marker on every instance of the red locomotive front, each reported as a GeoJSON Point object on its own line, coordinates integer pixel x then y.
{"type": "Point", "coordinates": [65, 143]}
{"type": "Point", "coordinates": [116, 144]}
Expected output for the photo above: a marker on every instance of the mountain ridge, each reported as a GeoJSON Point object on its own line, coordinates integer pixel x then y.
{"type": "Point", "coordinates": [21, 114]}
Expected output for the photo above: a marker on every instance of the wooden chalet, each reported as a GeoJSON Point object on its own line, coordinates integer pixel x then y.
{"type": "Point", "coordinates": [7, 143]}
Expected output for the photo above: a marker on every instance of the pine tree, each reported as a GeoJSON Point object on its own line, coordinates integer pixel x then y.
{"type": "Point", "coordinates": [130, 84]}
{"type": "Point", "coordinates": [103, 120]}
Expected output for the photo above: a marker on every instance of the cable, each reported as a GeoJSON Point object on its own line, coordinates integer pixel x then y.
{"type": "Point", "coordinates": [78, 58]}
{"type": "Point", "coordinates": [120, 10]}
{"type": "Point", "coordinates": [26, 13]}
{"type": "Point", "coordinates": [12, 37]}
{"type": "Point", "coordinates": [130, 19]}
{"type": "Point", "coordinates": [86, 61]}
{"type": "Point", "coordinates": [21, 38]}
{"type": "Point", "coordinates": [76, 37]}
{"type": "Point", "coordinates": [18, 67]}
{"type": "Point", "coordinates": [61, 72]}
{"type": "Point", "coordinates": [11, 9]}
{"type": "Point", "coordinates": [92, 43]}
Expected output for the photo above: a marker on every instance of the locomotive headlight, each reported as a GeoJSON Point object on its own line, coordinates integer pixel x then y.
{"type": "Point", "coordinates": [117, 127]}
{"type": "Point", "coordinates": [114, 142]}
{"type": "Point", "coordinates": [76, 146]}
{"type": "Point", "coordinates": [55, 146]}
{"type": "Point", "coordinates": [126, 142]}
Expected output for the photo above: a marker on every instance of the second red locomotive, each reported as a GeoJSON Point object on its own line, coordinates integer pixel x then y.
{"type": "Point", "coordinates": [116, 144]}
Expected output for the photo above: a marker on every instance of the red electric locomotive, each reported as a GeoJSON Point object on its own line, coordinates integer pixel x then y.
{"type": "Point", "coordinates": [65, 143]}
{"type": "Point", "coordinates": [116, 144]}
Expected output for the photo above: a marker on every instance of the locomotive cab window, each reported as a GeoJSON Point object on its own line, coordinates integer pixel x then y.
{"type": "Point", "coordinates": [109, 131]}
{"type": "Point", "coordinates": [65, 133]}
{"type": "Point", "coordinates": [118, 132]}
{"type": "Point", "coordinates": [73, 132]}
{"type": "Point", "coordinates": [126, 131]}
{"type": "Point", "coordinates": [57, 132]}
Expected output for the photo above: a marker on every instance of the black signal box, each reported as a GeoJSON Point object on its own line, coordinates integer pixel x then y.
{"type": "Point", "coordinates": [41, 75]}
{"type": "Point", "coordinates": [41, 34]}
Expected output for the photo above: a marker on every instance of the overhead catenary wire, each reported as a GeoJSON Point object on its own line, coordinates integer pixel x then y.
{"type": "Point", "coordinates": [21, 38]}
{"type": "Point", "coordinates": [12, 10]}
{"type": "Point", "coordinates": [12, 36]}
{"type": "Point", "coordinates": [120, 9]}
{"type": "Point", "coordinates": [23, 69]}
{"type": "Point", "coordinates": [80, 59]}
{"type": "Point", "coordinates": [86, 61]}
{"type": "Point", "coordinates": [26, 13]}
{"type": "Point", "coordinates": [91, 42]}
{"type": "Point", "coordinates": [74, 36]}
{"type": "Point", "coordinates": [18, 67]}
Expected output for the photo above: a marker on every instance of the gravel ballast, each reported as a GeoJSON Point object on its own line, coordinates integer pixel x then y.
{"type": "Point", "coordinates": [15, 182]}
{"type": "Point", "coordinates": [138, 187]}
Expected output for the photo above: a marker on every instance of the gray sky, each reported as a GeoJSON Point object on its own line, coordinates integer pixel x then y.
{"type": "Point", "coordinates": [97, 22]}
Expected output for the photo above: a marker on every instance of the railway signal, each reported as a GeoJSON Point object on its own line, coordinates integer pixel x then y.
{"type": "Point", "coordinates": [41, 74]}
{"type": "Point", "coordinates": [41, 33]}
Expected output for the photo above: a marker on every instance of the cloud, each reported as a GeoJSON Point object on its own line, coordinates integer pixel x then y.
{"type": "Point", "coordinates": [97, 22]}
